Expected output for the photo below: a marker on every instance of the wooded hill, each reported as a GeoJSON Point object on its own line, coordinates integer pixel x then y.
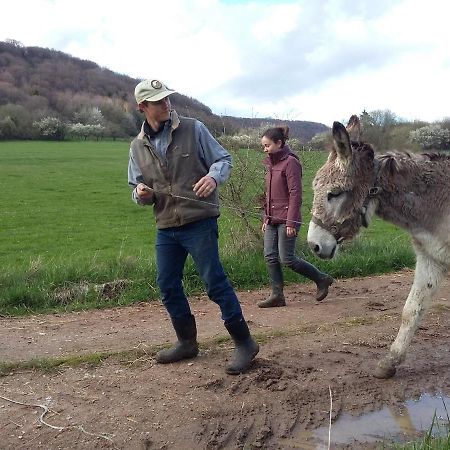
{"type": "Point", "coordinates": [43, 89]}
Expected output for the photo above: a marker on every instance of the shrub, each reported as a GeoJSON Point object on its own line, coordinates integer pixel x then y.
{"type": "Point", "coordinates": [51, 127]}
{"type": "Point", "coordinates": [431, 137]}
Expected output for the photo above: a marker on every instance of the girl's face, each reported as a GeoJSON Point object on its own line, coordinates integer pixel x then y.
{"type": "Point", "coordinates": [269, 146]}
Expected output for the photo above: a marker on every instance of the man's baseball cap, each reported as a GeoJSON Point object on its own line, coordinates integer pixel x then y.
{"type": "Point", "coordinates": [151, 91]}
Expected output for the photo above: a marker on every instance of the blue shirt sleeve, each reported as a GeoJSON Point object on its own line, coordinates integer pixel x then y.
{"type": "Point", "coordinates": [134, 178]}
{"type": "Point", "coordinates": [213, 154]}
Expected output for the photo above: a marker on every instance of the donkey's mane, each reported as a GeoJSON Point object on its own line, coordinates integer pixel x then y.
{"type": "Point", "coordinates": [405, 154]}
{"type": "Point", "coordinates": [397, 161]}
{"type": "Point", "coordinates": [393, 162]}
{"type": "Point", "coordinates": [436, 156]}
{"type": "Point", "coordinates": [358, 146]}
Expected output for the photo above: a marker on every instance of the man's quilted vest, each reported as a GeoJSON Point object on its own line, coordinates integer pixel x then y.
{"type": "Point", "coordinates": [175, 177]}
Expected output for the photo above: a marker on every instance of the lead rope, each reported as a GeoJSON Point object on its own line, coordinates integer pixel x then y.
{"type": "Point", "coordinates": [239, 210]}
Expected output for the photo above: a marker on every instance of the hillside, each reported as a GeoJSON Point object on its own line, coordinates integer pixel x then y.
{"type": "Point", "coordinates": [37, 82]}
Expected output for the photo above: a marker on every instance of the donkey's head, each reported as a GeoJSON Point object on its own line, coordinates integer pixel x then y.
{"type": "Point", "coordinates": [343, 187]}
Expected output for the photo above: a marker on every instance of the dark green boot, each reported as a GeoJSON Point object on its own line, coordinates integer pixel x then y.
{"type": "Point", "coordinates": [186, 347]}
{"type": "Point", "coordinates": [322, 280]}
{"type": "Point", "coordinates": [276, 298]}
{"type": "Point", "coordinates": [322, 287]}
{"type": "Point", "coordinates": [246, 348]}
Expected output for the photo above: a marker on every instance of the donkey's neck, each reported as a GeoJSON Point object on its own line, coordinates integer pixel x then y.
{"type": "Point", "coordinates": [414, 190]}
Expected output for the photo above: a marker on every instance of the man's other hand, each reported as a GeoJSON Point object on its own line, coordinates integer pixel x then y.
{"type": "Point", "coordinates": [205, 186]}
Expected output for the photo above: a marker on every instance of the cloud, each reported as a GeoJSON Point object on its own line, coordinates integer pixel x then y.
{"type": "Point", "coordinates": [286, 59]}
{"type": "Point", "coordinates": [336, 58]}
{"type": "Point", "coordinates": [325, 42]}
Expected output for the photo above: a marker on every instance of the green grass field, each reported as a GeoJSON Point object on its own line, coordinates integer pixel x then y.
{"type": "Point", "coordinates": [67, 218]}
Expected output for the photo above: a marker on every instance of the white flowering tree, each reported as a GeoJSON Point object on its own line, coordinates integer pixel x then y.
{"type": "Point", "coordinates": [89, 116]}
{"type": "Point", "coordinates": [51, 128]}
{"type": "Point", "coordinates": [431, 137]}
{"type": "Point", "coordinates": [82, 131]}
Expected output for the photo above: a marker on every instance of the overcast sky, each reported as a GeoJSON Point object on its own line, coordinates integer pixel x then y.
{"type": "Point", "coordinates": [320, 60]}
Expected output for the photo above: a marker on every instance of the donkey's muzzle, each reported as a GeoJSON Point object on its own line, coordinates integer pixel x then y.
{"type": "Point", "coordinates": [321, 242]}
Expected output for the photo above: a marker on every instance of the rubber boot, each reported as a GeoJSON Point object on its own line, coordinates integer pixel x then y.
{"type": "Point", "coordinates": [246, 348]}
{"type": "Point", "coordinates": [322, 287]}
{"type": "Point", "coordinates": [276, 298]}
{"type": "Point", "coordinates": [322, 280]}
{"type": "Point", "coordinates": [186, 347]}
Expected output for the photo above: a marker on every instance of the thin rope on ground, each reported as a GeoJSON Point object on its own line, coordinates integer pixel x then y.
{"type": "Point", "coordinates": [331, 410]}
{"type": "Point", "coordinates": [46, 410]}
{"type": "Point", "coordinates": [32, 405]}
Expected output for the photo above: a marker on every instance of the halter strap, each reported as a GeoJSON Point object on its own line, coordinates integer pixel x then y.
{"type": "Point", "coordinates": [334, 230]}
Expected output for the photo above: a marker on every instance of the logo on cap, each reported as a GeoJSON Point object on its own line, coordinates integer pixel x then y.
{"type": "Point", "coordinates": [156, 84]}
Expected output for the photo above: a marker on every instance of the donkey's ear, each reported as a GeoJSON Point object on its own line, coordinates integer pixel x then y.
{"type": "Point", "coordinates": [354, 129]}
{"type": "Point", "coordinates": [342, 143]}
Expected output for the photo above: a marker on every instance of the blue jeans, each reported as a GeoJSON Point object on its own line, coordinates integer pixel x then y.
{"type": "Point", "coordinates": [199, 239]}
{"type": "Point", "coordinates": [279, 248]}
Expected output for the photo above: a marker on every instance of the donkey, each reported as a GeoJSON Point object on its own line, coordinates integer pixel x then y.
{"type": "Point", "coordinates": [410, 190]}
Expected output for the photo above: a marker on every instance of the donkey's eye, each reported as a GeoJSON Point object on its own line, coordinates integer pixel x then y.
{"type": "Point", "coordinates": [333, 194]}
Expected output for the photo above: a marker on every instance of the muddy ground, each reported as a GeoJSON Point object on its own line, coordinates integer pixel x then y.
{"type": "Point", "coordinates": [127, 401]}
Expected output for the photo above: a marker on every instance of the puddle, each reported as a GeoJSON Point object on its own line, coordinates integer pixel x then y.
{"type": "Point", "coordinates": [387, 424]}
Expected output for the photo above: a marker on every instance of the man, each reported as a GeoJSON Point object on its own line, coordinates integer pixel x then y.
{"type": "Point", "coordinates": [176, 166]}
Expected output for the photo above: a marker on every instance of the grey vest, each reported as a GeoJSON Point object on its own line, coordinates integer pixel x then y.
{"type": "Point", "coordinates": [176, 176]}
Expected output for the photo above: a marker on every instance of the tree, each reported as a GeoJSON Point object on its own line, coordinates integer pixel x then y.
{"type": "Point", "coordinates": [51, 128]}
{"type": "Point", "coordinates": [96, 131]}
{"type": "Point", "coordinates": [15, 122]}
{"type": "Point", "coordinates": [321, 141]}
{"type": "Point", "coordinates": [89, 116]}
{"type": "Point", "coordinates": [377, 127]}
{"type": "Point", "coordinates": [446, 123]}
{"type": "Point", "coordinates": [8, 129]}
{"type": "Point", "coordinates": [80, 130]}
{"type": "Point", "coordinates": [14, 43]}
{"type": "Point", "coordinates": [432, 137]}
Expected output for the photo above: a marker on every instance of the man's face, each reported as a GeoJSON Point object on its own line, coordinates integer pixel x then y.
{"type": "Point", "coordinates": [157, 111]}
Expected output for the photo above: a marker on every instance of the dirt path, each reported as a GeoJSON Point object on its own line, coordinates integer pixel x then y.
{"type": "Point", "coordinates": [306, 349]}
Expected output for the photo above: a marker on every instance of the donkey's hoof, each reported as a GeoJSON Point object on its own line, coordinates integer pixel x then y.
{"type": "Point", "coordinates": [384, 370]}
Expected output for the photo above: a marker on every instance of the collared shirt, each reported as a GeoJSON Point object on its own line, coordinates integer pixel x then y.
{"type": "Point", "coordinates": [215, 157]}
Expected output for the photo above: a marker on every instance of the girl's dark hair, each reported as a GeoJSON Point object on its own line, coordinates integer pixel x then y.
{"type": "Point", "coordinates": [277, 134]}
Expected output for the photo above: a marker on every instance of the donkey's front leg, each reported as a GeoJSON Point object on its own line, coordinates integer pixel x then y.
{"type": "Point", "coordinates": [427, 277]}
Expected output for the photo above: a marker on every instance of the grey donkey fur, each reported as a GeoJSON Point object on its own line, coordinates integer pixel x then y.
{"type": "Point", "coordinates": [409, 190]}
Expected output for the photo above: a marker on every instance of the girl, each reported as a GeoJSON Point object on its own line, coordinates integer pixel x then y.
{"type": "Point", "coordinates": [282, 217]}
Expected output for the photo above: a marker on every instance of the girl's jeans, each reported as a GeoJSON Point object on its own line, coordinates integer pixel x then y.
{"type": "Point", "coordinates": [279, 248]}
{"type": "Point", "coordinates": [199, 239]}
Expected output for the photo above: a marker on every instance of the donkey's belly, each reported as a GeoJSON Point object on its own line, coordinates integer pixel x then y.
{"type": "Point", "coordinates": [436, 248]}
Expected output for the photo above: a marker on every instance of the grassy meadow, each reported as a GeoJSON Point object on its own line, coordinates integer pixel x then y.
{"type": "Point", "coordinates": [67, 221]}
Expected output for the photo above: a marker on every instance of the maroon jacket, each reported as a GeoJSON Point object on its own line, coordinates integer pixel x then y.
{"type": "Point", "coordinates": [283, 198]}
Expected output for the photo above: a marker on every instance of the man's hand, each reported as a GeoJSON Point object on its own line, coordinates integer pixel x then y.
{"type": "Point", "coordinates": [144, 192]}
{"type": "Point", "coordinates": [205, 186]}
